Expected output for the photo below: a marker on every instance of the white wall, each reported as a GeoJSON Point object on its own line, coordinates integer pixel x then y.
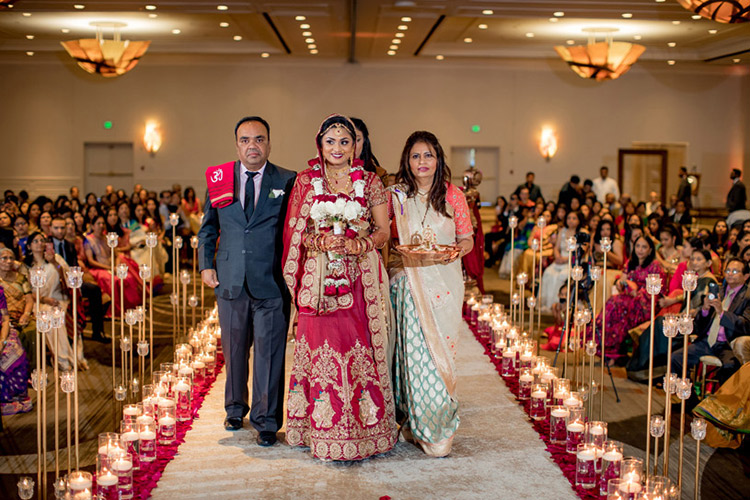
{"type": "Point", "coordinates": [51, 108]}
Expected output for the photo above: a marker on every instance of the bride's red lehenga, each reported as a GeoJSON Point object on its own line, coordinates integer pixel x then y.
{"type": "Point", "coordinates": [340, 400]}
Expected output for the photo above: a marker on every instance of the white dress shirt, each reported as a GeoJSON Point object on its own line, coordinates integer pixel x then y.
{"type": "Point", "coordinates": [256, 180]}
{"type": "Point", "coordinates": [602, 187]}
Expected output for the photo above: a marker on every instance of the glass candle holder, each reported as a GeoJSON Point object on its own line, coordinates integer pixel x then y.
{"type": "Point", "coordinates": [120, 392]}
{"type": "Point", "coordinates": [37, 277]}
{"type": "Point", "coordinates": [548, 377]}
{"type": "Point", "coordinates": [657, 426]}
{"type": "Point", "coordinates": [67, 382]}
{"type": "Point", "coordinates": [574, 426]}
{"type": "Point", "coordinates": [595, 272]}
{"type": "Point", "coordinates": [74, 277]}
{"type": "Point", "coordinates": [698, 429]}
{"type": "Point", "coordinates": [684, 387]}
{"type": "Point", "coordinates": [577, 273]}
{"type": "Point", "coordinates": [621, 489]}
{"type": "Point", "coordinates": [689, 280]}
{"type": "Point", "coordinates": [526, 359]}
{"type": "Point", "coordinates": [653, 284]}
{"type": "Point", "coordinates": [685, 325]}
{"type": "Point", "coordinates": [513, 222]}
{"type": "Point", "coordinates": [129, 437]}
{"type": "Point", "coordinates": [147, 436]}
{"type": "Point", "coordinates": [538, 403]}
{"type": "Point", "coordinates": [122, 465]}
{"type": "Point", "coordinates": [522, 279]}
{"type": "Point", "coordinates": [631, 471]}
{"type": "Point", "coordinates": [25, 487]}
{"type": "Point", "coordinates": [194, 241]}
{"type": "Point", "coordinates": [586, 466]}
{"type": "Point", "coordinates": [571, 243]}
{"type": "Point", "coordinates": [183, 398]}
{"type": "Point", "coordinates": [167, 423]}
{"type": "Point", "coordinates": [151, 240]}
{"type": "Point", "coordinates": [606, 243]}
{"type": "Point", "coordinates": [112, 240]}
{"type": "Point", "coordinates": [130, 413]}
{"type": "Point", "coordinates": [611, 464]}
{"type": "Point", "coordinates": [174, 219]}
{"type": "Point", "coordinates": [661, 487]}
{"type": "Point", "coordinates": [60, 488]}
{"type": "Point", "coordinates": [178, 242]}
{"type": "Point", "coordinates": [560, 391]}
{"type": "Point", "coordinates": [185, 277]}
{"type": "Point", "coordinates": [142, 348]}
{"type": "Point", "coordinates": [558, 416]}
{"type": "Point", "coordinates": [121, 271]}
{"type": "Point", "coordinates": [106, 480]}
{"type": "Point", "coordinates": [80, 485]}
{"type": "Point", "coordinates": [541, 222]}
{"type": "Point", "coordinates": [199, 371]}
{"type": "Point", "coordinates": [596, 433]}
{"type": "Point", "coordinates": [508, 368]}
{"type": "Point", "coordinates": [574, 400]}
{"type": "Point", "coordinates": [193, 301]}
{"type": "Point", "coordinates": [525, 381]}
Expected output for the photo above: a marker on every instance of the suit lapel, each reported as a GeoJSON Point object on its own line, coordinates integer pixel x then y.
{"type": "Point", "coordinates": [269, 176]}
{"type": "Point", "coordinates": [738, 297]}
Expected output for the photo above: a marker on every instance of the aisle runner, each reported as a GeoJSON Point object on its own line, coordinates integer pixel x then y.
{"type": "Point", "coordinates": [566, 461]}
{"type": "Point", "coordinates": [145, 479]}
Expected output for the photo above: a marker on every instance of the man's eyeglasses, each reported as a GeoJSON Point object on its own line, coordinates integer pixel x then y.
{"type": "Point", "coordinates": [733, 271]}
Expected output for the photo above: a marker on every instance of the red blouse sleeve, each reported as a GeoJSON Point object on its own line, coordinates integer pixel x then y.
{"type": "Point", "coordinates": [461, 218]}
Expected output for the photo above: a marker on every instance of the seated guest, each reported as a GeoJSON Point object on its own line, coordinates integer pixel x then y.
{"type": "Point", "coordinates": [6, 220]}
{"type": "Point", "coordinates": [615, 258]}
{"type": "Point", "coordinates": [14, 366]}
{"type": "Point", "coordinates": [530, 257]}
{"type": "Point", "coordinates": [718, 238]}
{"type": "Point", "coordinates": [20, 302]}
{"type": "Point", "coordinates": [557, 273]}
{"type": "Point", "coordinates": [670, 246]}
{"type": "Point", "coordinates": [494, 240]}
{"type": "Point", "coordinates": [720, 321]}
{"type": "Point", "coordinates": [632, 304]}
{"type": "Point", "coordinates": [67, 251]}
{"type": "Point", "coordinates": [521, 239]}
{"type": "Point", "coordinates": [21, 228]}
{"type": "Point", "coordinates": [45, 221]}
{"type": "Point", "coordinates": [681, 214]}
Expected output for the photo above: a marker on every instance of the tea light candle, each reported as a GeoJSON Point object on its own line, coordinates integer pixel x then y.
{"type": "Point", "coordinates": [79, 483]}
{"type": "Point", "coordinates": [198, 365]}
{"type": "Point", "coordinates": [596, 430]}
{"type": "Point", "coordinates": [122, 464]}
{"type": "Point", "coordinates": [167, 421]}
{"type": "Point", "coordinates": [130, 411]}
{"type": "Point", "coordinates": [145, 419]}
{"type": "Point", "coordinates": [560, 413]}
{"type": "Point", "coordinates": [526, 356]}
{"type": "Point", "coordinates": [527, 378]}
{"type": "Point", "coordinates": [149, 435]}
{"type": "Point", "coordinates": [630, 487]}
{"type": "Point", "coordinates": [586, 454]}
{"type": "Point", "coordinates": [572, 402]}
{"type": "Point", "coordinates": [181, 387]}
{"type": "Point", "coordinates": [612, 456]}
{"type": "Point", "coordinates": [185, 371]}
{"type": "Point", "coordinates": [166, 402]}
{"type": "Point", "coordinates": [575, 426]}
{"type": "Point", "coordinates": [540, 395]}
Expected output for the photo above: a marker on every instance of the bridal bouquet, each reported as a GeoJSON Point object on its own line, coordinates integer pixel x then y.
{"type": "Point", "coordinates": [341, 214]}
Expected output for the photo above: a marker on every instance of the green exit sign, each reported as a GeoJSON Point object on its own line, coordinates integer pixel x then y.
{"type": "Point", "coordinates": [107, 125]}
{"type": "Point", "coordinates": [475, 128]}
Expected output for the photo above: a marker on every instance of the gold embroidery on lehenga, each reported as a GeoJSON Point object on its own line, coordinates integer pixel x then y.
{"type": "Point", "coordinates": [297, 402]}
{"type": "Point", "coordinates": [368, 410]}
{"type": "Point", "coordinates": [323, 411]}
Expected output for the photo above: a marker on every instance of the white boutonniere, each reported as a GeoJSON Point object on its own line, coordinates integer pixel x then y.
{"type": "Point", "coordinates": [276, 193]}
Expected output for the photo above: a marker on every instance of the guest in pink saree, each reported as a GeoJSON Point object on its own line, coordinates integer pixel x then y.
{"type": "Point", "coordinates": [340, 400]}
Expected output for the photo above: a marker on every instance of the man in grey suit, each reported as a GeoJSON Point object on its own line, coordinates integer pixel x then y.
{"type": "Point", "coordinates": [247, 280]}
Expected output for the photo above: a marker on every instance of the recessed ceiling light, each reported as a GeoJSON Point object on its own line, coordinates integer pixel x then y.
{"type": "Point", "coordinates": [487, 12]}
{"type": "Point", "coordinates": [65, 30]}
{"type": "Point", "coordinates": [314, 51]}
{"type": "Point", "coordinates": [312, 46]}
{"type": "Point", "coordinates": [627, 15]}
{"type": "Point", "coordinates": [736, 60]}
{"type": "Point", "coordinates": [671, 44]}
{"type": "Point", "coordinates": [559, 14]}
{"type": "Point", "coordinates": [30, 53]}
{"type": "Point", "coordinates": [406, 19]}
{"type": "Point", "coordinates": [570, 42]}
{"type": "Point", "coordinates": [176, 32]}
{"type": "Point", "coordinates": [150, 7]}
{"type": "Point", "coordinates": [468, 40]}
{"type": "Point", "coordinates": [696, 16]}
{"type": "Point", "coordinates": [399, 35]}
{"type": "Point", "coordinates": [529, 35]}
{"type": "Point", "coordinates": [713, 32]}
{"type": "Point", "coordinates": [153, 16]}
{"type": "Point", "coordinates": [553, 19]}
{"type": "Point", "coordinates": [482, 26]}
{"type": "Point", "coordinates": [300, 18]}
{"type": "Point", "coordinates": [391, 52]}
{"type": "Point", "coordinates": [396, 41]}
{"type": "Point", "coordinates": [637, 37]}
{"type": "Point", "coordinates": [660, 1]}
{"type": "Point", "coordinates": [307, 33]}
{"type": "Point", "coordinates": [304, 26]}
{"type": "Point", "coordinates": [223, 25]}
{"type": "Point", "coordinates": [29, 37]}
{"type": "Point", "coordinates": [671, 62]}
{"type": "Point", "coordinates": [439, 57]}
{"type": "Point", "coordinates": [309, 40]}
{"type": "Point", "coordinates": [237, 38]}
{"type": "Point", "coordinates": [265, 55]}
{"type": "Point", "coordinates": [403, 27]}
{"type": "Point", "coordinates": [26, 14]}
{"type": "Point", "coordinates": [79, 6]}
{"type": "Point", "coordinates": [222, 7]}
{"type": "Point", "coordinates": [675, 22]}
{"type": "Point", "coordinates": [393, 47]}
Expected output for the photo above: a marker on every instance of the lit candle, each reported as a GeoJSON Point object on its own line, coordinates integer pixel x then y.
{"type": "Point", "coordinates": [526, 356]}
{"type": "Point", "coordinates": [539, 395]}
{"type": "Point", "coordinates": [145, 419]}
{"type": "Point", "coordinates": [575, 426]}
{"type": "Point", "coordinates": [166, 421]}
{"type": "Point", "coordinates": [527, 378]}
{"type": "Point", "coordinates": [130, 411]}
{"type": "Point", "coordinates": [572, 402]}
{"type": "Point", "coordinates": [129, 436]}
{"type": "Point", "coordinates": [122, 465]}
{"type": "Point", "coordinates": [612, 456]}
{"type": "Point", "coordinates": [586, 454]}
{"type": "Point", "coordinates": [181, 387]}
{"type": "Point", "coordinates": [630, 487]}
{"type": "Point", "coordinates": [198, 365]}
{"type": "Point", "coordinates": [148, 435]}
{"type": "Point", "coordinates": [106, 479]}
{"type": "Point", "coordinates": [79, 483]}
{"type": "Point", "coordinates": [185, 371]}
{"type": "Point", "coordinates": [560, 413]}
{"type": "Point", "coordinates": [596, 430]}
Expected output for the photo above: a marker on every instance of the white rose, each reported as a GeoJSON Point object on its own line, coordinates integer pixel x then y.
{"type": "Point", "coordinates": [340, 205]}
{"type": "Point", "coordinates": [330, 208]}
{"type": "Point", "coordinates": [351, 212]}
{"type": "Point", "coordinates": [316, 211]}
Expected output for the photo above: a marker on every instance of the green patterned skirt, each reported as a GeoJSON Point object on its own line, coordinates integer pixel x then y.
{"type": "Point", "coordinates": [418, 388]}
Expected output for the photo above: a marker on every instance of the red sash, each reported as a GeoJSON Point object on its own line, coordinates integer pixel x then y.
{"type": "Point", "coordinates": [220, 181]}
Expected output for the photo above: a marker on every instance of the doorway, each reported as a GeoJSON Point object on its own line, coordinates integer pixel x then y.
{"type": "Point", "coordinates": [484, 159]}
{"type": "Point", "coordinates": [108, 163]}
{"type": "Point", "coordinates": [640, 171]}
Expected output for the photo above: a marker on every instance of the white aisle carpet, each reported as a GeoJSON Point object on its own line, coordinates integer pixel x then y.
{"type": "Point", "coordinates": [496, 454]}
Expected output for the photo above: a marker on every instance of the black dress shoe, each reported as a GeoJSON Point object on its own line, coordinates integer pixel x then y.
{"type": "Point", "coordinates": [266, 438]}
{"type": "Point", "coordinates": [233, 423]}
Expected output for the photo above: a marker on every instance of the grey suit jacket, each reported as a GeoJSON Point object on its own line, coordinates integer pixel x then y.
{"type": "Point", "coordinates": [248, 251]}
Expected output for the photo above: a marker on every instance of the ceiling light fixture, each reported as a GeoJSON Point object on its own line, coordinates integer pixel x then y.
{"type": "Point", "coordinates": [399, 35]}
{"type": "Point", "coordinates": [237, 38]}
{"type": "Point", "coordinates": [671, 44]}
{"type": "Point", "coordinates": [482, 26]}
{"type": "Point", "coordinates": [314, 51]}
{"type": "Point", "coordinates": [439, 57]}
{"type": "Point", "coordinates": [529, 35]}
{"type": "Point", "coordinates": [403, 27]}
{"type": "Point", "coordinates": [65, 30]}
{"type": "Point", "coordinates": [468, 40]}
{"type": "Point", "coordinates": [150, 7]}
{"type": "Point", "coordinates": [396, 41]}
{"type": "Point", "coordinates": [312, 46]}
{"type": "Point", "coordinates": [176, 31]}
{"type": "Point", "coordinates": [393, 47]}
{"type": "Point", "coordinates": [30, 53]}
{"type": "Point", "coordinates": [723, 11]}
{"type": "Point", "coordinates": [108, 58]}
{"type": "Point", "coordinates": [309, 40]}
{"type": "Point", "coordinates": [406, 19]}
{"type": "Point", "coordinates": [736, 60]}
{"type": "Point", "coordinates": [637, 37]}
{"type": "Point", "coordinates": [222, 7]}
{"type": "Point", "coordinates": [487, 12]}
{"type": "Point", "coordinates": [606, 60]}
{"type": "Point", "coordinates": [676, 22]}
{"type": "Point", "coordinates": [79, 6]}
{"type": "Point", "coordinates": [559, 14]}
{"type": "Point", "coordinates": [29, 37]}
{"type": "Point", "coordinates": [391, 52]}
{"type": "Point", "coordinates": [671, 62]}
{"type": "Point", "coordinates": [265, 55]}
{"type": "Point", "coordinates": [300, 18]}
{"type": "Point", "coordinates": [627, 15]}
{"type": "Point", "coordinates": [304, 26]}
{"type": "Point", "coordinates": [713, 32]}
{"type": "Point", "coordinates": [223, 25]}
{"type": "Point", "coordinates": [553, 19]}
{"type": "Point", "coordinates": [307, 33]}
{"type": "Point", "coordinates": [696, 16]}
{"type": "Point", "coordinates": [570, 42]}
{"type": "Point", "coordinates": [153, 16]}
{"type": "Point", "coordinates": [26, 14]}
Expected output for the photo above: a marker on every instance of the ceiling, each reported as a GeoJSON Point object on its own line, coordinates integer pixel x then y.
{"type": "Point", "coordinates": [366, 30]}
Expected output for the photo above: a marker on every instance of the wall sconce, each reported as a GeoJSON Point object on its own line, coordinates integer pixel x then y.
{"type": "Point", "coordinates": [548, 143]}
{"type": "Point", "coordinates": [152, 137]}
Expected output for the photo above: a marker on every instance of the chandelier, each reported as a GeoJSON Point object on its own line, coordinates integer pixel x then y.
{"type": "Point", "coordinates": [723, 11]}
{"type": "Point", "coordinates": [108, 58]}
{"type": "Point", "coordinates": [605, 60]}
